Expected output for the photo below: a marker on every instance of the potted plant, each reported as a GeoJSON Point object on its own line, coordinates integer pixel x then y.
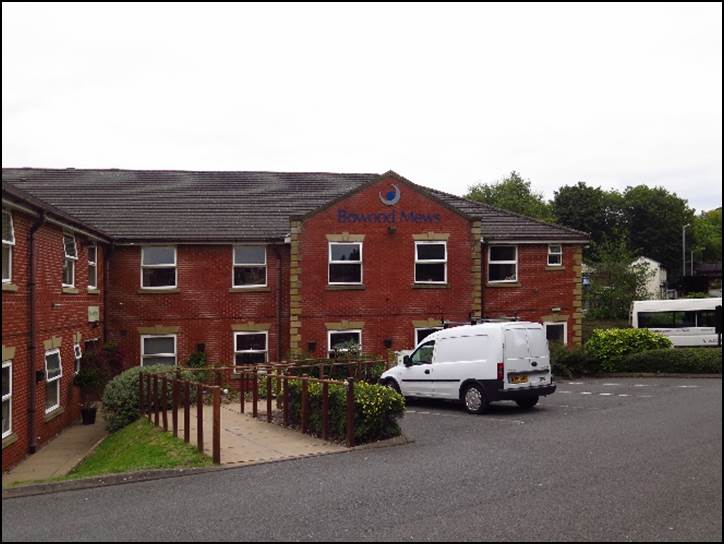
{"type": "Point", "coordinates": [91, 380]}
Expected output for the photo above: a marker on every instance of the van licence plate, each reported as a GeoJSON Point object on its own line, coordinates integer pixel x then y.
{"type": "Point", "coordinates": [518, 379]}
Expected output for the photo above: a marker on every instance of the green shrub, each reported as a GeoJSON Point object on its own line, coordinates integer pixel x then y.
{"type": "Point", "coordinates": [680, 360]}
{"type": "Point", "coordinates": [120, 397]}
{"type": "Point", "coordinates": [571, 362]}
{"type": "Point", "coordinates": [609, 346]}
{"type": "Point", "coordinates": [377, 409]}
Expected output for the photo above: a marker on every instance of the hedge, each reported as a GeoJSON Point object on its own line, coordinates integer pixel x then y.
{"type": "Point", "coordinates": [572, 362]}
{"type": "Point", "coordinates": [120, 397]}
{"type": "Point", "coordinates": [680, 360]}
{"type": "Point", "coordinates": [610, 346]}
{"type": "Point", "coordinates": [377, 409]}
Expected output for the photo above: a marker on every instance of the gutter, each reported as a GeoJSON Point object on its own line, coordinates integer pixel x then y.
{"type": "Point", "coordinates": [32, 332]}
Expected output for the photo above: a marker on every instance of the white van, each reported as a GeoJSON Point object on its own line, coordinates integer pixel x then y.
{"type": "Point", "coordinates": [478, 364]}
{"type": "Point", "coordinates": [686, 321]}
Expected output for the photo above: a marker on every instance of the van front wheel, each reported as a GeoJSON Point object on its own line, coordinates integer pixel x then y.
{"type": "Point", "coordinates": [527, 403]}
{"type": "Point", "coordinates": [474, 400]}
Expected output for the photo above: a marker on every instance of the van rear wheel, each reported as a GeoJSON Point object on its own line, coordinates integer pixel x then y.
{"type": "Point", "coordinates": [528, 402]}
{"type": "Point", "coordinates": [474, 400]}
{"type": "Point", "coordinates": [392, 384]}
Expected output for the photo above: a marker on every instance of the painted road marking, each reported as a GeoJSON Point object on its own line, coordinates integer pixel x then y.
{"type": "Point", "coordinates": [565, 392]}
{"type": "Point", "coordinates": [611, 384]}
{"type": "Point", "coordinates": [624, 395]}
{"type": "Point", "coordinates": [575, 383]}
{"type": "Point", "coordinates": [688, 386]}
{"type": "Point", "coordinates": [586, 393]}
{"type": "Point", "coordinates": [605, 394]}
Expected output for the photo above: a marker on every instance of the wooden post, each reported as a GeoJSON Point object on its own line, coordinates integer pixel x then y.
{"type": "Point", "coordinates": [305, 404]}
{"type": "Point", "coordinates": [242, 390]}
{"type": "Point", "coordinates": [325, 411]}
{"type": "Point", "coordinates": [285, 394]}
{"type": "Point", "coordinates": [156, 414]}
{"type": "Point", "coordinates": [255, 394]}
{"type": "Point", "coordinates": [164, 402]}
{"type": "Point", "coordinates": [269, 396]}
{"type": "Point", "coordinates": [200, 417]}
{"type": "Point", "coordinates": [187, 411]}
{"type": "Point", "coordinates": [321, 371]}
{"type": "Point", "coordinates": [216, 437]}
{"type": "Point", "coordinates": [350, 412]}
{"type": "Point", "coordinates": [279, 387]}
{"type": "Point", "coordinates": [174, 414]}
{"type": "Point", "coordinates": [218, 377]}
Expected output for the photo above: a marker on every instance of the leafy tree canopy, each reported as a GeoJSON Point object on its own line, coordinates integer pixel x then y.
{"type": "Point", "coordinates": [512, 193]}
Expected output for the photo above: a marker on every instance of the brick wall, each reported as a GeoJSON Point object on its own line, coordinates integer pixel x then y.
{"type": "Point", "coordinates": [60, 316]}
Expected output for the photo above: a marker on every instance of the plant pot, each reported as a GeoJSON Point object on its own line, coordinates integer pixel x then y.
{"type": "Point", "coordinates": [88, 415]}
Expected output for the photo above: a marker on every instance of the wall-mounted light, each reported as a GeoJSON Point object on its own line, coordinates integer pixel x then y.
{"type": "Point", "coordinates": [392, 229]}
{"type": "Point", "coordinates": [311, 347]}
{"type": "Point", "coordinates": [388, 343]}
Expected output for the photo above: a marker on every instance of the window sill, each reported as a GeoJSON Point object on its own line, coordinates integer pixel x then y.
{"type": "Point", "coordinates": [511, 284]}
{"type": "Point", "coordinates": [10, 287]}
{"type": "Point", "coordinates": [94, 291]}
{"type": "Point", "coordinates": [50, 416]}
{"type": "Point", "coordinates": [346, 287]}
{"type": "Point", "coordinates": [259, 289]}
{"type": "Point", "coordinates": [147, 291]}
{"type": "Point", "coordinates": [552, 268]}
{"type": "Point", "coordinates": [430, 285]}
{"type": "Point", "coordinates": [71, 291]}
{"type": "Point", "coordinates": [9, 440]}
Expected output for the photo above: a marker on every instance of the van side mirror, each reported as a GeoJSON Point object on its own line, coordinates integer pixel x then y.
{"type": "Point", "coordinates": [407, 360]}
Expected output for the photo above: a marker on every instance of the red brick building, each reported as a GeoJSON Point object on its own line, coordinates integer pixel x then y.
{"type": "Point", "coordinates": [260, 266]}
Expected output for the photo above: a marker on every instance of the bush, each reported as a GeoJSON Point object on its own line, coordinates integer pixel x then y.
{"type": "Point", "coordinates": [680, 360]}
{"type": "Point", "coordinates": [120, 397]}
{"type": "Point", "coordinates": [377, 409]}
{"type": "Point", "coordinates": [609, 346]}
{"type": "Point", "coordinates": [572, 362]}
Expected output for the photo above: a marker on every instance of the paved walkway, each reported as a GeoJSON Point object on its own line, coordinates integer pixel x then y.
{"type": "Point", "coordinates": [248, 440]}
{"type": "Point", "coordinates": [59, 456]}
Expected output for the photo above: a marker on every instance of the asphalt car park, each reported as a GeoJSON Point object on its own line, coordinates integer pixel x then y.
{"type": "Point", "coordinates": [600, 460]}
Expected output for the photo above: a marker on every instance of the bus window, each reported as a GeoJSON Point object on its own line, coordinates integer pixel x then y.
{"type": "Point", "coordinates": [706, 318]}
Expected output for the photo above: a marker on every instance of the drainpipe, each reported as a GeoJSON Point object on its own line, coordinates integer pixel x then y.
{"type": "Point", "coordinates": [106, 285]}
{"type": "Point", "coordinates": [33, 261]}
{"type": "Point", "coordinates": [278, 254]}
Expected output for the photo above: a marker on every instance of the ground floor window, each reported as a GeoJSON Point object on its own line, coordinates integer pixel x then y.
{"type": "Point", "coordinates": [7, 386]}
{"type": "Point", "coordinates": [53, 374]}
{"type": "Point", "coordinates": [557, 332]}
{"type": "Point", "coordinates": [158, 350]}
{"type": "Point", "coordinates": [421, 334]}
{"type": "Point", "coordinates": [343, 342]}
{"type": "Point", "coordinates": [250, 348]}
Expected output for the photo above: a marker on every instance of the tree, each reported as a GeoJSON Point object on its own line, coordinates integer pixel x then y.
{"type": "Point", "coordinates": [514, 194]}
{"type": "Point", "coordinates": [654, 218]}
{"type": "Point", "coordinates": [592, 210]}
{"type": "Point", "coordinates": [615, 282]}
{"type": "Point", "coordinates": [706, 231]}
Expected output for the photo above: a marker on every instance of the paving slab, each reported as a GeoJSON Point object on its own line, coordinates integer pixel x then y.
{"type": "Point", "coordinates": [60, 455]}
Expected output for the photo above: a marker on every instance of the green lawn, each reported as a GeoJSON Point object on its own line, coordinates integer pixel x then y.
{"type": "Point", "coordinates": [139, 446]}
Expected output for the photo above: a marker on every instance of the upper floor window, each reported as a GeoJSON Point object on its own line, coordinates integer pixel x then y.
{"type": "Point", "coordinates": [345, 263]}
{"type": "Point", "coordinates": [249, 266]}
{"type": "Point", "coordinates": [70, 256]}
{"type": "Point", "coordinates": [8, 243]}
{"type": "Point", "coordinates": [502, 264]}
{"type": "Point", "coordinates": [555, 255]}
{"type": "Point", "coordinates": [92, 266]}
{"type": "Point", "coordinates": [158, 267]}
{"type": "Point", "coordinates": [430, 262]}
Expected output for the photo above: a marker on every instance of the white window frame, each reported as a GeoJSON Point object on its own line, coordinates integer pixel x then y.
{"type": "Point", "coordinates": [94, 264]}
{"type": "Point", "coordinates": [343, 331]}
{"type": "Point", "coordinates": [9, 398]}
{"type": "Point", "coordinates": [331, 262]}
{"type": "Point", "coordinates": [491, 262]}
{"type": "Point", "coordinates": [417, 329]}
{"type": "Point", "coordinates": [248, 333]}
{"type": "Point", "coordinates": [546, 324]}
{"type": "Point", "coordinates": [431, 261]}
{"type": "Point", "coordinates": [9, 243]}
{"type": "Point", "coordinates": [234, 266]}
{"type": "Point", "coordinates": [558, 254]}
{"type": "Point", "coordinates": [150, 355]}
{"type": "Point", "coordinates": [70, 259]}
{"type": "Point", "coordinates": [78, 355]}
{"type": "Point", "coordinates": [57, 379]}
{"type": "Point", "coordinates": [165, 265]}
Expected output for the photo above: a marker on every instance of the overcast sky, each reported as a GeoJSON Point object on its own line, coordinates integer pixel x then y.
{"type": "Point", "coordinates": [446, 95]}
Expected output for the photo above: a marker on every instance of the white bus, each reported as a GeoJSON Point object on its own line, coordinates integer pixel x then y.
{"type": "Point", "coordinates": [686, 321]}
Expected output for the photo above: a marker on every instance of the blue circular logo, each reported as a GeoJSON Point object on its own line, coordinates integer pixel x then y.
{"type": "Point", "coordinates": [391, 197]}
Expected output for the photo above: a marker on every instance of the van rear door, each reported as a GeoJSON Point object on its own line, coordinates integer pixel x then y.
{"type": "Point", "coordinates": [527, 361]}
